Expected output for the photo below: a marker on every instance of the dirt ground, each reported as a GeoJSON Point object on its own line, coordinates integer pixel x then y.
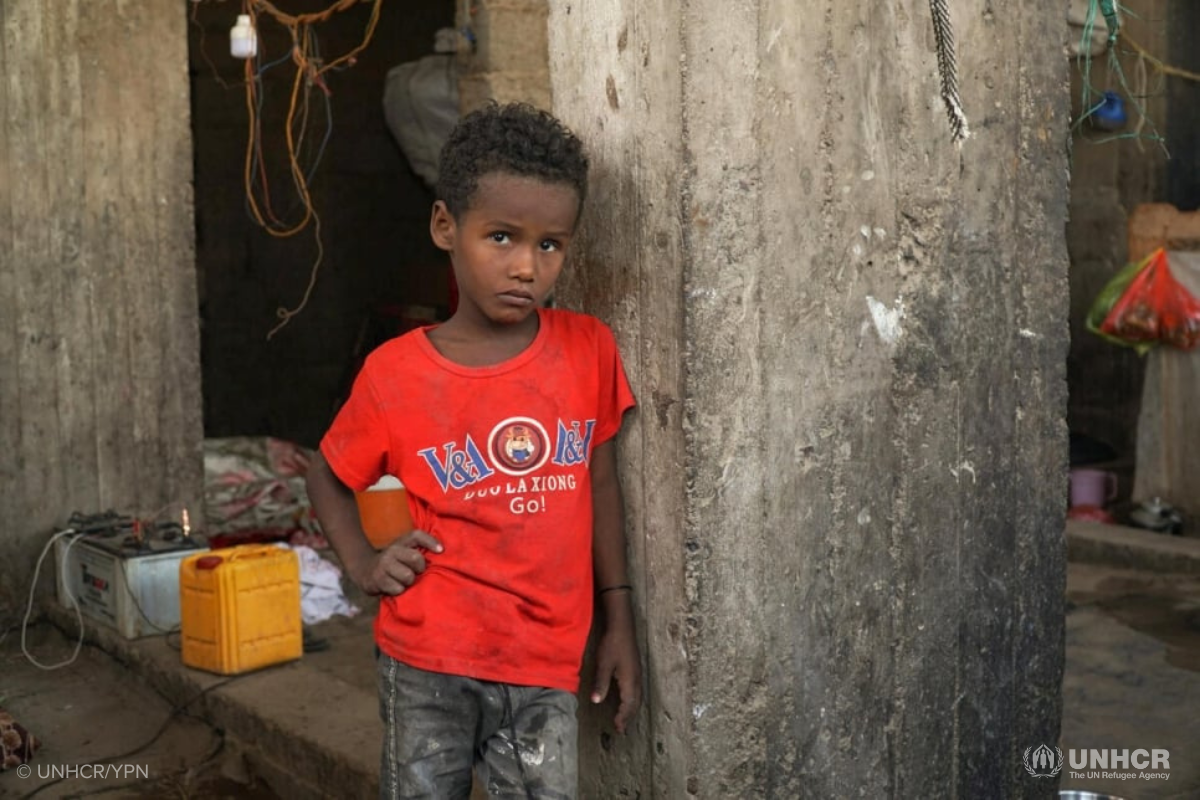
{"type": "Point", "coordinates": [95, 712]}
{"type": "Point", "coordinates": [1133, 679]}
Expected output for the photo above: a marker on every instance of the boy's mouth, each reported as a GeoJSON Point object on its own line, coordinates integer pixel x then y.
{"type": "Point", "coordinates": [517, 297]}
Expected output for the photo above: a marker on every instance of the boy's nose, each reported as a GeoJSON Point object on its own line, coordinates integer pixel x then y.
{"type": "Point", "coordinates": [524, 264]}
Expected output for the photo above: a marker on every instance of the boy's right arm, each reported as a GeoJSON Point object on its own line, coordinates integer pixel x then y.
{"type": "Point", "coordinates": [389, 571]}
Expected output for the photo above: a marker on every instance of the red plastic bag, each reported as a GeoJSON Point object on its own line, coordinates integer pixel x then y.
{"type": "Point", "coordinates": [1155, 308]}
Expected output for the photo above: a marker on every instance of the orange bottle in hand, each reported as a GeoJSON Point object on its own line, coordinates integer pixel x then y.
{"type": "Point", "coordinates": [383, 510]}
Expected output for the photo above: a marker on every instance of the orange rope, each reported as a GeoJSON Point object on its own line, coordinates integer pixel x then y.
{"type": "Point", "coordinates": [305, 19]}
{"type": "Point", "coordinates": [1165, 69]}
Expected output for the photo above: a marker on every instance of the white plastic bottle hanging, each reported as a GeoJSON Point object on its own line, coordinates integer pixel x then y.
{"type": "Point", "coordinates": [243, 40]}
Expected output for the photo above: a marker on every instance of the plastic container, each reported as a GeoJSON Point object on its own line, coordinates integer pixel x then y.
{"type": "Point", "coordinates": [240, 609]}
{"type": "Point", "coordinates": [243, 39]}
{"type": "Point", "coordinates": [1092, 487]}
{"type": "Point", "coordinates": [383, 511]}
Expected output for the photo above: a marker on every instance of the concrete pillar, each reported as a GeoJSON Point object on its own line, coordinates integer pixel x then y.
{"type": "Point", "coordinates": [99, 335]}
{"type": "Point", "coordinates": [848, 336]}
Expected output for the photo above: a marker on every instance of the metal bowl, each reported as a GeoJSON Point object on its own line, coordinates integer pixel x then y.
{"type": "Point", "coordinates": [1079, 794]}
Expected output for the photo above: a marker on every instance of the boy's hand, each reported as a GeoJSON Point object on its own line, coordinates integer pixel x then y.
{"type": "Point", "coordinates": [393, 569]}
{"type": "Point", "coordinates": [617, 657]}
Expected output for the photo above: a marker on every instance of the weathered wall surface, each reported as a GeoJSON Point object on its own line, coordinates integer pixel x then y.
{"type": "Point", "coordinates": [99, 374]}
{"type": "Point", "coordinates": [848, 337]}
{"type": "Point", "coordinates": [503, 55]}
{"type": "Point", "coordinates": [625, 98]}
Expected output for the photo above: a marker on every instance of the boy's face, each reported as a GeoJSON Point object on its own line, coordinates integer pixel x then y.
{"type": "Point", "coordinates": [508, 246]}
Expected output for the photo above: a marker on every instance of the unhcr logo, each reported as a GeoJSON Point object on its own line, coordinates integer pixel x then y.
{"type": "Point", "coordinates": [1043, 762]}
{"type": "Point", "coordinates": [1146, 765]}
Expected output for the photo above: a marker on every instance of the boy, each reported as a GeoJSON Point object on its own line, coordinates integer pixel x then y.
{"type": "Point", "coordinates": [500, 424]}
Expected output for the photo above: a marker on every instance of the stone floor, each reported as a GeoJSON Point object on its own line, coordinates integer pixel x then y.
{"type": "Point", "coordinates": [310, 728]}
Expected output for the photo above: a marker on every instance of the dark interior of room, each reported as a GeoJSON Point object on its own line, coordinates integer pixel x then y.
{"type": "Point", "coordinates": [1114, 173]}
{"type": "Point", "coordinates": [377, 274]}
{"type": "Point", "coordinates": [1183, 172]}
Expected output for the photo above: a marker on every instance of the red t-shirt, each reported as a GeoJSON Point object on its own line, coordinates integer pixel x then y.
{"type": "Point", "coordinates": [495, 461]}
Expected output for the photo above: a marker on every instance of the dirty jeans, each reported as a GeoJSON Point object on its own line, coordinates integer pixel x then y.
{"type": "Point", "coordinates": [437, 727]}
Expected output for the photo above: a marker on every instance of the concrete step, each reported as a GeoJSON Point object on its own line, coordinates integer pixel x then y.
{"type": "Point", "coordinates": [1121, 546]}
{"type": "Point", "coordinates": [304, 727]}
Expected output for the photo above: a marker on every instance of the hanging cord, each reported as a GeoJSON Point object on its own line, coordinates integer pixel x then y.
{"type": "Point", "coordinates": [943, 33]}
{"type": "Point", "coordinates": [203, 51]}
{"type": "Point", "coordinates": [310, 72]}
{"type": "Point", "coordinates": [37, 570]}
{"type": "Point", "coordinates": [1159, 66]}
{"type": "Point", "coordinates": [285, 315]}
{"type": "Point", "coordinates": [1141, 79]}
{"type": "Point", "coordinates": [1109, 9]}
{"type": "Point", "coordinates": [1092, 99]}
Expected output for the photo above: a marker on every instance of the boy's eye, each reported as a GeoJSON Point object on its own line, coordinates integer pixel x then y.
{"type": "Point", "coordinates": [499, 237]}
{"type": "Point", "coordinates": [549, 245]}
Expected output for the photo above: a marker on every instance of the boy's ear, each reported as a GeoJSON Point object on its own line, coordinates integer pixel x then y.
{"type": "Point", "coordinates": [442, 226]}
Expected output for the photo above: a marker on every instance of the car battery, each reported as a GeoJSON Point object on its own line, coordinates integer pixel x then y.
{"type": "Point", "coordinates": [240, 608]}
{"type": "Point", "coordinates": [122, 573]}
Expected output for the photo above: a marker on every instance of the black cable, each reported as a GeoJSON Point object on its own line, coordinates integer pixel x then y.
{"type": "Point", "coordinates": [220, 745]}
{"type": "Point", "coordinates": [137, 604]}
{"type": "Point", "coordinates": [158, 734]}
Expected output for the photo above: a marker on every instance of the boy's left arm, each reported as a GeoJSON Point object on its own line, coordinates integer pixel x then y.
{"type": "Point", "coordinates": [617, 652]}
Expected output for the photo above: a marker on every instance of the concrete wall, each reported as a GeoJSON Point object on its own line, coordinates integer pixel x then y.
{"type": "Point", "coordinates": [99, 372]}
{"type": "Point", "coordinates": [503, 55]}
{"type": "Point", "coordinates": [846, 477]}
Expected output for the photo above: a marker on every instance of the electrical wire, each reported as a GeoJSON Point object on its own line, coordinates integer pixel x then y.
{"type": "Point", "coordinates": [285, 315]}
{"type": "Point", "coordinates": [1159, 66]}
{"type": "Point", "coordinates": [175, 711]}
{"type": "Point", "coordinates": [78, 535]}
{"type": "Point", "coordinates": [203, 51]}
{"type": "Point", "coordinates": [309, 77]}
{"type": "Point", "coordinates": [66, 588]}
{"type": "Point", "coordinates": [138, 605]}
{"type": "Point", "coordinates": [310, 69]}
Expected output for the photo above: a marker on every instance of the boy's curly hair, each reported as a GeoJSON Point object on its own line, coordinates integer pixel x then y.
{"type": "Point", "coordinates": [515, 138]}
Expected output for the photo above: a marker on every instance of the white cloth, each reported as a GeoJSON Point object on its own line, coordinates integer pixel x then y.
{"type": "Point", "coordinates": [321, 594]}
{"type": "Point", "coordinates": [1168, 459]}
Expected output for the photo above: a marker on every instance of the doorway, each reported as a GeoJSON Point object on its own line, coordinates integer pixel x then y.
{"type": "Point", "coordinates": [361, 236]}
